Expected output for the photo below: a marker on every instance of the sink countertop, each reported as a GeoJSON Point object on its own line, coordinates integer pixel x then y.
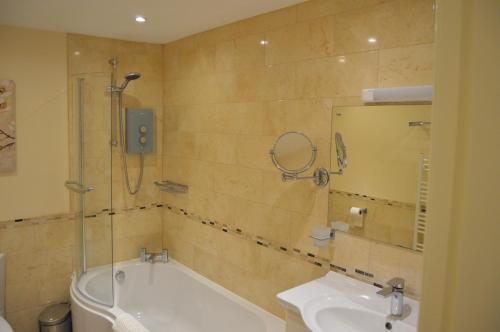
{"type": "Point", "coordinates": [338, 294]}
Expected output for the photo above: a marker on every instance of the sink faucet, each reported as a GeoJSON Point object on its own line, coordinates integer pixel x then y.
{"type": "Point", "coordinates": [396, 291]}
{"type": "Point", "coordinates": [152, 257]}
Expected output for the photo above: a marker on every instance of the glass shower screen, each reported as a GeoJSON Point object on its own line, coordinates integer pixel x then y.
{"type": "Point", "coordinates": [90, 184]}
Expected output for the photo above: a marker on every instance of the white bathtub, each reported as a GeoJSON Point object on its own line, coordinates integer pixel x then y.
{"type": "Point", "coordinates": [165, 297]}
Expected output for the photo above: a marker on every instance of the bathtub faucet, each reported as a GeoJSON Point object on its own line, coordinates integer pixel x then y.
{"type": "Point", "coordinates": [152, 257]}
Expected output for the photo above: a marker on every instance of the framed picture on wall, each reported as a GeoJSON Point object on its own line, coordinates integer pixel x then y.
{"type": "Point", "coordinates": [7, 126]}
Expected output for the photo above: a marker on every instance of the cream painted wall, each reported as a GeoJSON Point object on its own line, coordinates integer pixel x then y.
{"type": "Point", "coordinates": [36, 61]}
{"type": "Point", "coordinates": [461, 265]}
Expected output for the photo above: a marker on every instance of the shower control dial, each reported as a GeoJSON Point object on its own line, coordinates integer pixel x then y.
{"type": "Point", "coordinates": [143, 140]}
{"type": "Point", "coordinates": [143, 129]}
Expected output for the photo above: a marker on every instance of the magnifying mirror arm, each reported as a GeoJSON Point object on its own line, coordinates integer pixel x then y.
{"type": "Point", "coordinates": [339, 172]}
{"type": "Point", "coordinates": [320, 177]}
{"type": "Point", "coordinates": [293, 177]}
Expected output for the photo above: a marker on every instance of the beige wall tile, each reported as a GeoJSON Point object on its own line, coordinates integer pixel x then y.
{"type": "Point", "coordinates": [393, 24]}
{"type": "Point", "coordinates": [406, 66]}
{"type": "Point", "coordinates": [243, 53]}
{"type": "Point", "coordinates": [338, 76]}
{"type": "Point", "coordinates": [55, 235]}
{"type": "Point", "coordinates": [306, 40]}
{"type": "Point", "coordinates": [191, 172]}
{"type": "Point", "coordinates": [238, 118]}
{"type": "Point", "coordinates": [318, 8]}
{"type": "Point", "coordinates": [25, 320]}
{"type": "Point", "coordinates": [219, 34]}
{"type": "Point", "coordinates": [225, 208]}
{"type": "Point", "coordinates": [253, 151]}
{"type": "Point", "coordinates": [235, 87]}
{"type": "Point", "coordinates": [352, 253]}
{"type": "Point", "coordinates": [410, 269]}
{"type": "Point", "coordinates": [15, 239]}
{"type": "Point", "coordinates": [190, 91]}
{"type": "Point", "coordinates": [242, 182]}
{"type": "Point", "coordinates": [384, 262]}
{"type": "Point", "coordinates": [268, 21]}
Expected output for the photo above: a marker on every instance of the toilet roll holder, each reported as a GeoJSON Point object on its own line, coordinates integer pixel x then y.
{"type": "Point", "coordinates": [363, 211]}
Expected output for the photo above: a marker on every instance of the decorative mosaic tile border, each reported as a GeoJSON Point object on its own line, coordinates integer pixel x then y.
{"type": "Point", "coordinates": [72, 216]}
{"type": "Point", "coordinates": [36, 220]}
{"type": "Point", "coordinates": [374, 199]}
{"type": "Point", "coordinates": [321, 262]}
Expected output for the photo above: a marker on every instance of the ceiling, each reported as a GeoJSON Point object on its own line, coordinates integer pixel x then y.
{"type": "Point", "coordinates": [167, 20]}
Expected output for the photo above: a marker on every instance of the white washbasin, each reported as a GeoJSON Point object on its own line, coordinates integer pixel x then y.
{"type": "Point", "coordinates": [345, 319]}
{"type": "Point", "coordinates": [339, 303]}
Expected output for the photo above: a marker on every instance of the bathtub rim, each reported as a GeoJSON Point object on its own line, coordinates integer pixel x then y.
{"type": "Point", "coordinates": [271, 321]}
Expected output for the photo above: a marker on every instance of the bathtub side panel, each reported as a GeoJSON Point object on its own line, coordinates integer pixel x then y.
{"type": "Point", "coordinates": [85, 321]}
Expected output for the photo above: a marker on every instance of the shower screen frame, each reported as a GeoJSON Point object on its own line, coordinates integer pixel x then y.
{"type": "Point", "coordinates": [91, 182]}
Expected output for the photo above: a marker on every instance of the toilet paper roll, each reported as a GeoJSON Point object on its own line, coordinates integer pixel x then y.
{"type": "Point", "coordinates": [356, 215]}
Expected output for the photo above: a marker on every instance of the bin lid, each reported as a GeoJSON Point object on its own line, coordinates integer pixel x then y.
{"type": "Point", "coordinates": [54, 314]}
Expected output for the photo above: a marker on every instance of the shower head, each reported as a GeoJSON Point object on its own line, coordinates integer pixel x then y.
{"type": "Point", "coordinates": [129, 77]}
{"type": "Point", "coordinates": [132, 76]}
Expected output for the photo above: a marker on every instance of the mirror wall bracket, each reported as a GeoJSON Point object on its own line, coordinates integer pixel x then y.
{"type": "Point", "coordinates": [321, 177]}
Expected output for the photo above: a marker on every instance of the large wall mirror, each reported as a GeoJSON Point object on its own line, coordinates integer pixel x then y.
{"type": "Point", "coordinates": [382, 193]}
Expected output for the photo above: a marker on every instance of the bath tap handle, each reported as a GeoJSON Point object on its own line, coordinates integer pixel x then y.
{"type": "Point", "coordinates": [143, 255]}
{"type": "Point", "coordinates": [164, 255]}
{"type": "Point", "coordinates": [397, 283]}
{"type": "Point", "coordinates": [146, 256]}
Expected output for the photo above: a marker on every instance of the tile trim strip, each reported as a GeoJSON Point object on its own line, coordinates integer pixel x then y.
{"type": "Point", "coordinates": [321, 262]}
{"type": "Point", "coordinates": [318, 261]}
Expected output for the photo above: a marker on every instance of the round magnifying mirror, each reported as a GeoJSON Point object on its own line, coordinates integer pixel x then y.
{"type": "Point", "coordinates": [293, 153]}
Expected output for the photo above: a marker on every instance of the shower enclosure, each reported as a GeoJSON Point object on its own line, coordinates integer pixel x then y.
{"type": "Point", "coordinates": [97, 139]}
{"type": "Point", "coordinates": [91, 178]}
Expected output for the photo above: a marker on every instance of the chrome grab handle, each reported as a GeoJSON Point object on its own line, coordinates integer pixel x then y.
{"type": "Point", "coordinates": [172, 187]}
{"type": "Point", "coordinates": [77, 187]}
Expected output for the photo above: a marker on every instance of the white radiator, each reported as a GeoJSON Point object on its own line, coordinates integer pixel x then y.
{"type": "Point", "coordinates": [421, 206]}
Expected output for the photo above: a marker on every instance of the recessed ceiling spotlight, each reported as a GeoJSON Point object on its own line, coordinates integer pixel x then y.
{"type": "Point", "coordinates": [140, 19]}
{"type": "Point", "coordinates": [372, 40]}
{"type": "Point", "coordinates": [264, 42]}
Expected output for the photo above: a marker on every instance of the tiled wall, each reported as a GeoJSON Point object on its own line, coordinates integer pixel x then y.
{"type": "Point", "coordinates": [39, 256]}
{"type": "Point", "coordinates": [226, 97]}
{"type": "Point", "coordinates": [88, 57]}
{"type": "Point", "coordinates": [229, 92]}
{"type": "Point", "coordinates": [91, 55]}
{"type": "Point", "coordinates": [40, 251]}
{"type": "Point", "coordinates": [387, 221]}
